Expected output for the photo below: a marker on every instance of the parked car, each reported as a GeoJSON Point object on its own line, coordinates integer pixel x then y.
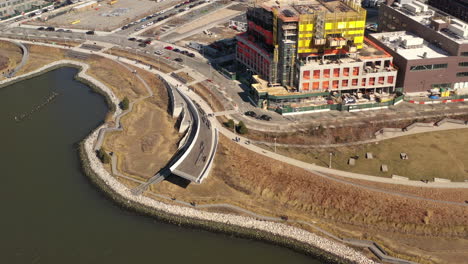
{"type": "Point", "coordinates": [158, 52]}
{"type": "Point", "coordinates": [50, 29]}
{"type": "Point", "coordinates": [143, 45]}
{"type": "Point", "coordinates": [251, 113]}
{"type": "Point", "coordinates": [184, 52]}
{"type": "Point", "coordinates": [147, 41]}
{"type": "Point", "coordinates": [132, 39]}
{"type": "Point", "coordinates": [178, 59]}
{"type": "Point", "coordinates": [191, 55]}
{"type": "Point", "coordinates": [68, 31]}
{"type": "Point", "coordinates": [91, 32]}
{"type": "Point", "coordinates": [40, 28]}
{"type": "Point", "coordinates": [176, 50]}
{"type": "Point", "coordinates": [168, 48]}
{"type": "Point", "coordinates": [265, 117]}
{"type": "Point", "coordinates": [60, 30]}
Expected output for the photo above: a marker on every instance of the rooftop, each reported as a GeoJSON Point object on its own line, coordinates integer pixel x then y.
{"type": "Point", "coordinates": [424, 14]}
{"type": "Point", "coordinates": [370, 51]}
{"type": "Point", "coordinates": [294, 8]}
{"type": "Point", "coordinates": [409, 45]}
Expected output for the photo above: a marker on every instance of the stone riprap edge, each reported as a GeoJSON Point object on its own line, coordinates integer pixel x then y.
{"type": "Point", "coordinates": [276, 233]}
{"type": "Point", "coordinates": [209, 225]}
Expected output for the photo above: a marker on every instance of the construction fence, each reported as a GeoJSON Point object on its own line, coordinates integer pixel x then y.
{"type": "Point", "coordinates": [338, 107]}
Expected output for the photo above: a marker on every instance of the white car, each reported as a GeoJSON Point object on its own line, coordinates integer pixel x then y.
{"type": "Point", "coordinates": [38, 12]}
{"type": "Point", "coordinates": [150, 23]}
{"type": "Point", "coordinates": [159, 52]}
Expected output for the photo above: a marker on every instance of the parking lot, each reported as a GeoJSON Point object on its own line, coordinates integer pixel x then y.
{"type": "Point", "coordinates": [107, 17]}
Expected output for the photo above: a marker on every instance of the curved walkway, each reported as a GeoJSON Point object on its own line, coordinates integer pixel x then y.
{"type": "Point", "coordinates": [24, 59]}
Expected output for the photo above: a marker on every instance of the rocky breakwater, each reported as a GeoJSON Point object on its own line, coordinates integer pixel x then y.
{"type": "Point", "coordinates": [287, 232]}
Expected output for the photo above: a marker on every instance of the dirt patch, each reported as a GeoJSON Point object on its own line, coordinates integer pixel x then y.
{"type": "Point", "coordinates": [185, 76]}
{"type": "Point", "coordinates": [321, 135]}
{"type": "Point", "coordinates": [208, 96]}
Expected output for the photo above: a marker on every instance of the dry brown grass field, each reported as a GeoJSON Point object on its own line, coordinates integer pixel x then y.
{"type": "Point", "coordinates": [260, 184]}
{"type": "Point", "coordinates": [431, 155]}
{"type": "Point", "coordinates": [10, 56]}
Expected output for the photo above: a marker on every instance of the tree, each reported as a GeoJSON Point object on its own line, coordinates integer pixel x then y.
{"type": "Point", "coordinates": [230, 124]}
{"type": "Point", "coordinates": [241, 128]}
{"type": "Point", "coordinates": [103, 156]}
{"type": "Point", "coordinates": [124, 104]}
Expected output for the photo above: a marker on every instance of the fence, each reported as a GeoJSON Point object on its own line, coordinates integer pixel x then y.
{"type": "Point", "coordinates": [339, 107]}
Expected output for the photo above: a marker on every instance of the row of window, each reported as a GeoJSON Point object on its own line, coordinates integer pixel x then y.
{"type": "Point", "coordinates": [428, 67]}
{"type": "Point", "coordinates": [346, 83]}
{"type": "Point", "coordinates": [327, 73]}
{"type": "Point", "coordinates": [12, 3]}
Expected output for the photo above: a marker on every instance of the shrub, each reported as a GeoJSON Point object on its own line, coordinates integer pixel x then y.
{"type": "Point", "coordinates": [241, 128]}
{"type": "Point", "coordinates": [103, 156]}
{"type": "Point", "coordinates": [124, 104]}
{"type": "Point", "coordinates": [229, 124]}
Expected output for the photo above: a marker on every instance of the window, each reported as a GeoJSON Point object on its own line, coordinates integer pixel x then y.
{"type": "Point", "coordinates": [355, 82]}
{"type": "Point", "coordinates": [336, 72]}
{"type": "Point", "coordinates": [305, 86]}
{"type": "Point", "coordinates": [363, 81]}
{"type": "Point", "coordinates": [325, 85]}
{"type": "Point", "coordinates": [381, 80]}
{"type": "Point", "coordinates": [316, 74]}
{"type": "Point", "coordinates": [355, 71]}
{"type": "Point", "coordinates": [344, 83]}
{"type": "Point", "coordinates": [372, 81]}
{"type": "Point", "coordinates": [440, 66]}
{"type": "Point", "coordinates": [462, 74]}
{"type": "Point", "coordinates": [464, 54]}
{"type": "Point", "coordinates": [306, 75]}
{"type": "Point", "coordinates": [428, 67]}
{"type": "Point", "coordinates": [442, 85]}
{"type": "Point", "coordinates": [463, 64]}
{"type": "Point", "coordinates": [345, 71]}
{"type": "Point", "coordinates": [390, 79]}
{"type": "Point", "coordinates": [336, 84]}
{"type": "Point", "coordinates": [316, 85]}
{"type": "Point", "coordinates": [326, 73]}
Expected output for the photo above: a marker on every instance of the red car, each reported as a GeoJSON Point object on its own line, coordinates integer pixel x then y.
{"type": "Point", "coordinates": [169, 48]}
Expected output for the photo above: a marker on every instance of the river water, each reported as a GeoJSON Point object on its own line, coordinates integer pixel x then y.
{"type": "Point", "coordinates": [51, 213]}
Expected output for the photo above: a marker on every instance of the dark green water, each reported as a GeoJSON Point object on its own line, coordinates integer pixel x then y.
{"type": "Point", "coordinates": [50, 213]}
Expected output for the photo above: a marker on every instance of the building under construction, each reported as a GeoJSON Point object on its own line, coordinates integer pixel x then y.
{"type": "Point", "coordinates": [298, 50]}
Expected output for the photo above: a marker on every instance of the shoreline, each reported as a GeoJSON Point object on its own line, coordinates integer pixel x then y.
{"type": "Point", "coordinates": [324, 249]}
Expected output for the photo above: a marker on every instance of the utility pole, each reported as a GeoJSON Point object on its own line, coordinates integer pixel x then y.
{"type": "Point", "coordinates": [329, 164]}
{"type": "Point", "coordinates": [275, 145]}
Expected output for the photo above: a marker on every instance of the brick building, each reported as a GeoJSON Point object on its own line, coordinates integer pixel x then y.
{"type": "Point", "coordinates": [432, 50]}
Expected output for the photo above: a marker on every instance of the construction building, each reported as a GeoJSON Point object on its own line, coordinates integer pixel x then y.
{"type": "Point", "coordinates": [300, 51]}
{"type": "Point", "coordinates": [429, 47]}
